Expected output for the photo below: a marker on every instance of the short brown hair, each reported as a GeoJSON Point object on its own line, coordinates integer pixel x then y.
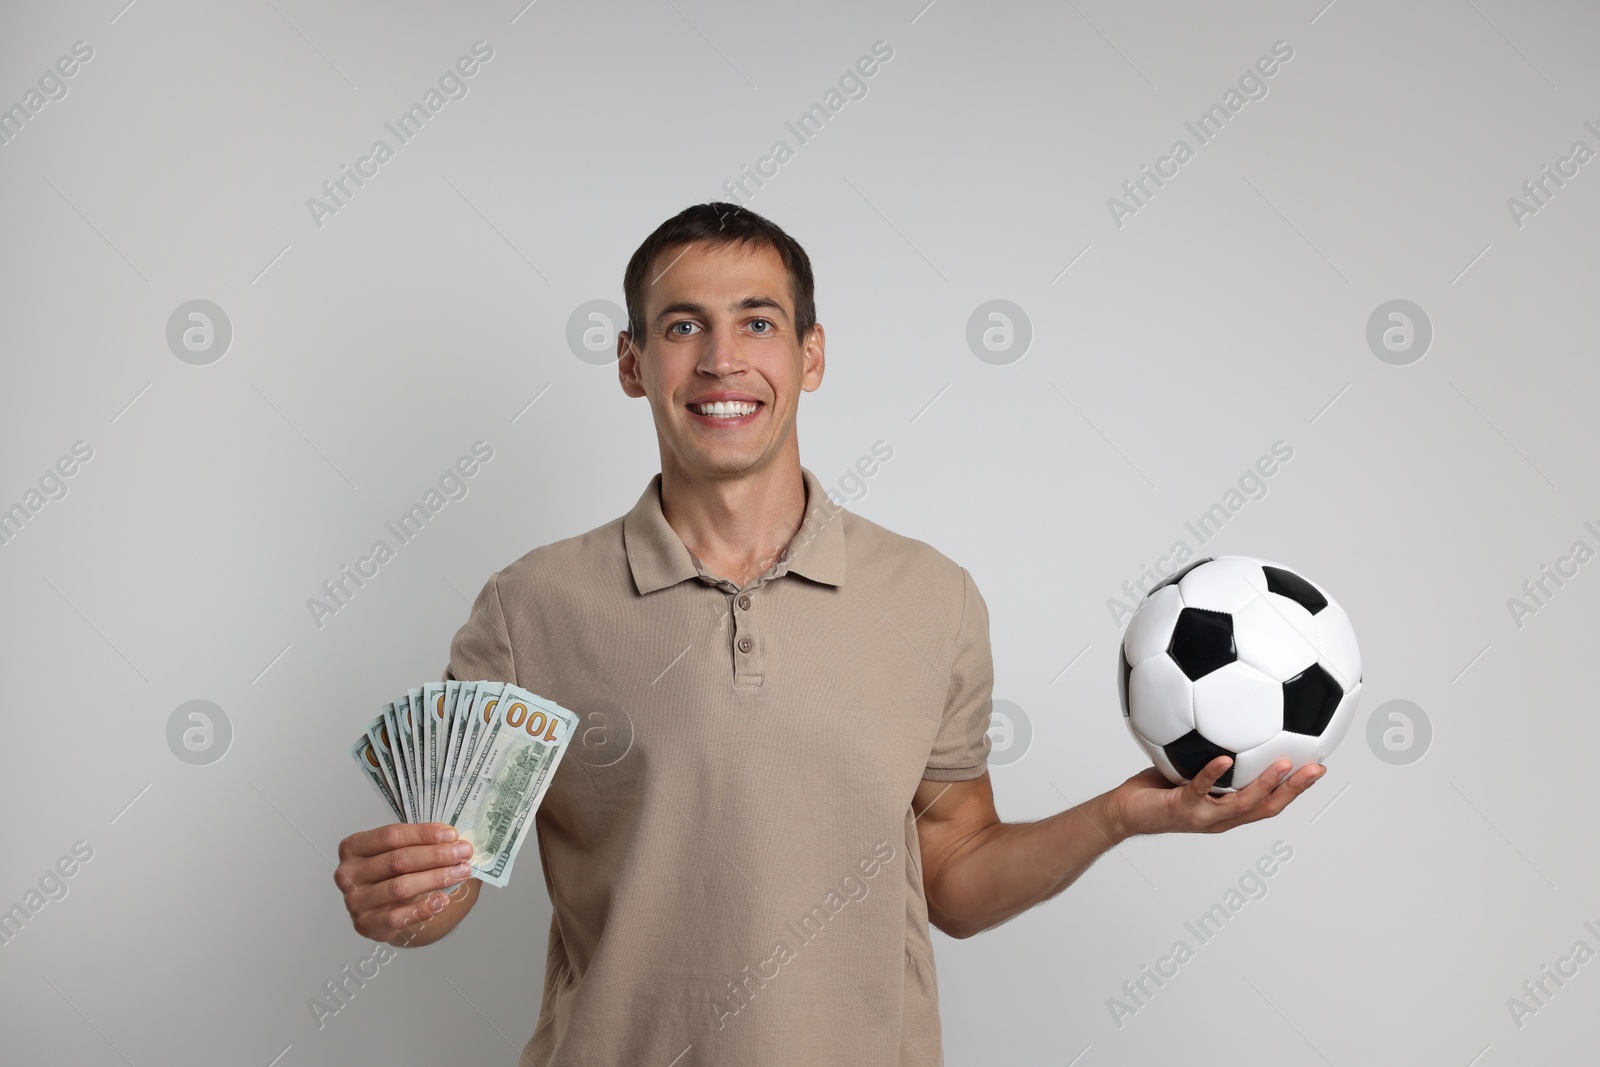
{"type": "Point", "coordinates": [719, 223]}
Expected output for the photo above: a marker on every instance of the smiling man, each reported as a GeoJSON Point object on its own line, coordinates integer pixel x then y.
{"type": "Point", "coordinates": [783, 778]}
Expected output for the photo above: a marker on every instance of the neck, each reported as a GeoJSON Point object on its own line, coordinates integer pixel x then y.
{"type": "Point", "coordinates": [738, 524]}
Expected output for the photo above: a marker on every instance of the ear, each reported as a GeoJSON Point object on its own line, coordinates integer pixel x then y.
{"type": "Point", "coordinates": [628, 365]}
{"type": "Point", "coordinates": [815, 362]}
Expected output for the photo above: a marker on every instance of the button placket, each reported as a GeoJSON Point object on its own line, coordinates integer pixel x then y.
{"type": "Point", "coordinates": [748, 658]}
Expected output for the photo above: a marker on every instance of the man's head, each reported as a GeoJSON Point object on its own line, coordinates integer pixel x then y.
{"type": "Point", "coordinates": [721, 308]}
{"type": "Point", "coordinates": [716, 224]}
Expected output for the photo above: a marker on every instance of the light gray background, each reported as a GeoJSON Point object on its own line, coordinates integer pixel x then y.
{"type": "Point", "coordinates": [1168, 354]}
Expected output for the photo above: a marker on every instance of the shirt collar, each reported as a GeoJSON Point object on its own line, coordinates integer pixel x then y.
{"type": "Point", "coordinates": [658, 557]}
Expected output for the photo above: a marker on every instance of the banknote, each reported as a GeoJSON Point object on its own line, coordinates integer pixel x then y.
{"type": "Point", "coordinates": [394, 727]}
{"type": "Point", "coordinates": [379, 735]}
{"type": "Point", "coordinates": [453, 697]}
{"type": "Point", "coordinates": [463, 733]}
{"type": "Point", "coordinates": [478, 716]}
{"type": "Point", "coordinates": [419, 745]}
{"type": "Point", "coordinates": [524, 744]}
{"type": "Point", "coordinates": [367, 759]}
{"type": "Point", "coordinates": [478, 755]}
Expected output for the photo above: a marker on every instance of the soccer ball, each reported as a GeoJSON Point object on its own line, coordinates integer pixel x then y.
{"type": "Point", "coordinates": [1239, 657]}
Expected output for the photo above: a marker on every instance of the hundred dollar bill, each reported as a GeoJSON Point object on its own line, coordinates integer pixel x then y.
{"type": "Point", "coordinates": [433, 712]}
{"type": "Point", "coordinates": [460, 702]}
{"type": "Point", "coordinates": [442, 707]}
{"type": "Point", "coordinates": [399, 726]}
{"type": "Point", "coordinates": [367, 760]}
{"type": "Point", "coordinates": [519, 749]}
{"type": "Point", "coordinates": [413, 735]}
{"type": "Point", "coordinates": [485, 700]}
{"type": "Point", "coordinates": [419, 752]}
{"type": "Point", "coordinates": [379, 735]}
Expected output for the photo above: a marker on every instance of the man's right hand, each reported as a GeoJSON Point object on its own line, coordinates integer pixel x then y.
{"type": "Point", "coordinates": [392, 879]}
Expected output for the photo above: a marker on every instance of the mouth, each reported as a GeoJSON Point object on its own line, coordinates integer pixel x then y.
{"type": "Point", "coordinates": [725, 413]}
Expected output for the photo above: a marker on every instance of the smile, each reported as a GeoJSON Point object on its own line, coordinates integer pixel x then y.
{"type": "Point", "coordinates": [725, 410]}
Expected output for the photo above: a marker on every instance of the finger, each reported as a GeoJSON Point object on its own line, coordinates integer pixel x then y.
{"type": "Point", "coordinates": [390, 921]}
{"type": "Point", "coordinates": [408, 860]}
{"type": "Point", "coordinates": [1227, 809]}
{"type": "Point", "coordinates": [1265, 783]}
{"type": "Point", "coordinates": [383, 923]}
{"type": "Point", "coordinates": [1293, 786]}
{"type": "Point", "coordinates": [410, 886]}
{"type": "Point", "coordinates": [375, 842]}
{"type": "Point", "coordinates": [1200, 785]}
{"type": "Point", "coordinates": [1289, 787]}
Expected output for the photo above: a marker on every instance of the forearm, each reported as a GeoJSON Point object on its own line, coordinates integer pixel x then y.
{"type": "Point", "coordinates": [1004, 869]}
{"type": "Point", "coordinates": [431, 930]}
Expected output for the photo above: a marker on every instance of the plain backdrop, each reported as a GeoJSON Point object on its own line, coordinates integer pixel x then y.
{"type": "Point", "coordinates": [1172, 342]}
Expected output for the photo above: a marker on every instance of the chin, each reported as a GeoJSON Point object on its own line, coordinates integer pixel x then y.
{"type": "Point", "coordinates": [726, 462]}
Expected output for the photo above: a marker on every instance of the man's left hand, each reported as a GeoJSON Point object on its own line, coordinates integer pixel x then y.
{"type": "Point", "coordinates": [1149, 804]}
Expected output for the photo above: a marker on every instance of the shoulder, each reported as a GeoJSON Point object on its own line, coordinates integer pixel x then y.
{"type": "Point", "coordinates": [578, 562]}
{"type": "Point", "coordinates": [913, 571]}
{"type": "Point", "coordinates": [931, 599]}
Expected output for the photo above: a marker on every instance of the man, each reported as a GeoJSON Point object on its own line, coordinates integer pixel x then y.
{"type": "Point", "coordinates": [798, 700]}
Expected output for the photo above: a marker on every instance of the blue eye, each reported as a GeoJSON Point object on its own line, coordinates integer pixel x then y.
{"type": "Point", "coordinates": [680, 322]}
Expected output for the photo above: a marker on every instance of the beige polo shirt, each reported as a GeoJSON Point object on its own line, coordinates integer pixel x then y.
{"type": "Point", "coordinates": [729, 846]}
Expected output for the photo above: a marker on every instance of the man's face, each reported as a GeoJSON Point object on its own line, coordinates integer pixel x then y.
{"type": "Point", "coordinates": [719, 328]}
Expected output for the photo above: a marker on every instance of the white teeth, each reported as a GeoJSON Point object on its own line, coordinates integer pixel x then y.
{"type": "Point", "coordinates": [724, 409]}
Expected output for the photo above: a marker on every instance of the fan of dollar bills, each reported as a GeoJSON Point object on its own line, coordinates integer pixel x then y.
{"type": "Point", "coordinates": [476, 755]}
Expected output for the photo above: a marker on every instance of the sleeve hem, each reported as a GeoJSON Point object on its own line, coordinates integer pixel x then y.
{"type": "Point", "coordinates": [954, 774]}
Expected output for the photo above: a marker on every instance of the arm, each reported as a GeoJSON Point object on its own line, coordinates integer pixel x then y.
{"type": "Point", "coordinates": [393, 877]}
{"type": "Point", "coordinates": [977, 871]}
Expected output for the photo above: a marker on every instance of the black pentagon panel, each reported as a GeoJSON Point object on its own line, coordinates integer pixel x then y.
{"type": "Point", "coordinates": [1202, 641]}
{"type": "Point", "coordinates": [1309, 700]}
{"type": "Point", "coordinates": [1190, 754]}
{"type": "Point", "coordinates": [1176, 575]}
{"type": "Point", "coordinates": [1123, 671]}
{"type": "Point", "coordinates": [1296, 588]}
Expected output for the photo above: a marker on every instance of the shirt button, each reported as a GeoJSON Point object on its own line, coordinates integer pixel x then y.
{"type": "Point", "coordinates": [744, 602]}
{"type": "Point", "coordinates": [745, 644]}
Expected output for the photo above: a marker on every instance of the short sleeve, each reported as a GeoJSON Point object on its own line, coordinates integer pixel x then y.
{"type": "Point", "coordinates": [961, 749]}
{"type": "Point", "coordinates": [481, 649]}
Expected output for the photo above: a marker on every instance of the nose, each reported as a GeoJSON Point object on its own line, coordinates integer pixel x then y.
{"type": "Point", "coordinates": [719, 354]}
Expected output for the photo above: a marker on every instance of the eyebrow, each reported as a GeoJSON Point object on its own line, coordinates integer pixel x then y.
{"type": "Point", "coordinates": [748, 303]}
